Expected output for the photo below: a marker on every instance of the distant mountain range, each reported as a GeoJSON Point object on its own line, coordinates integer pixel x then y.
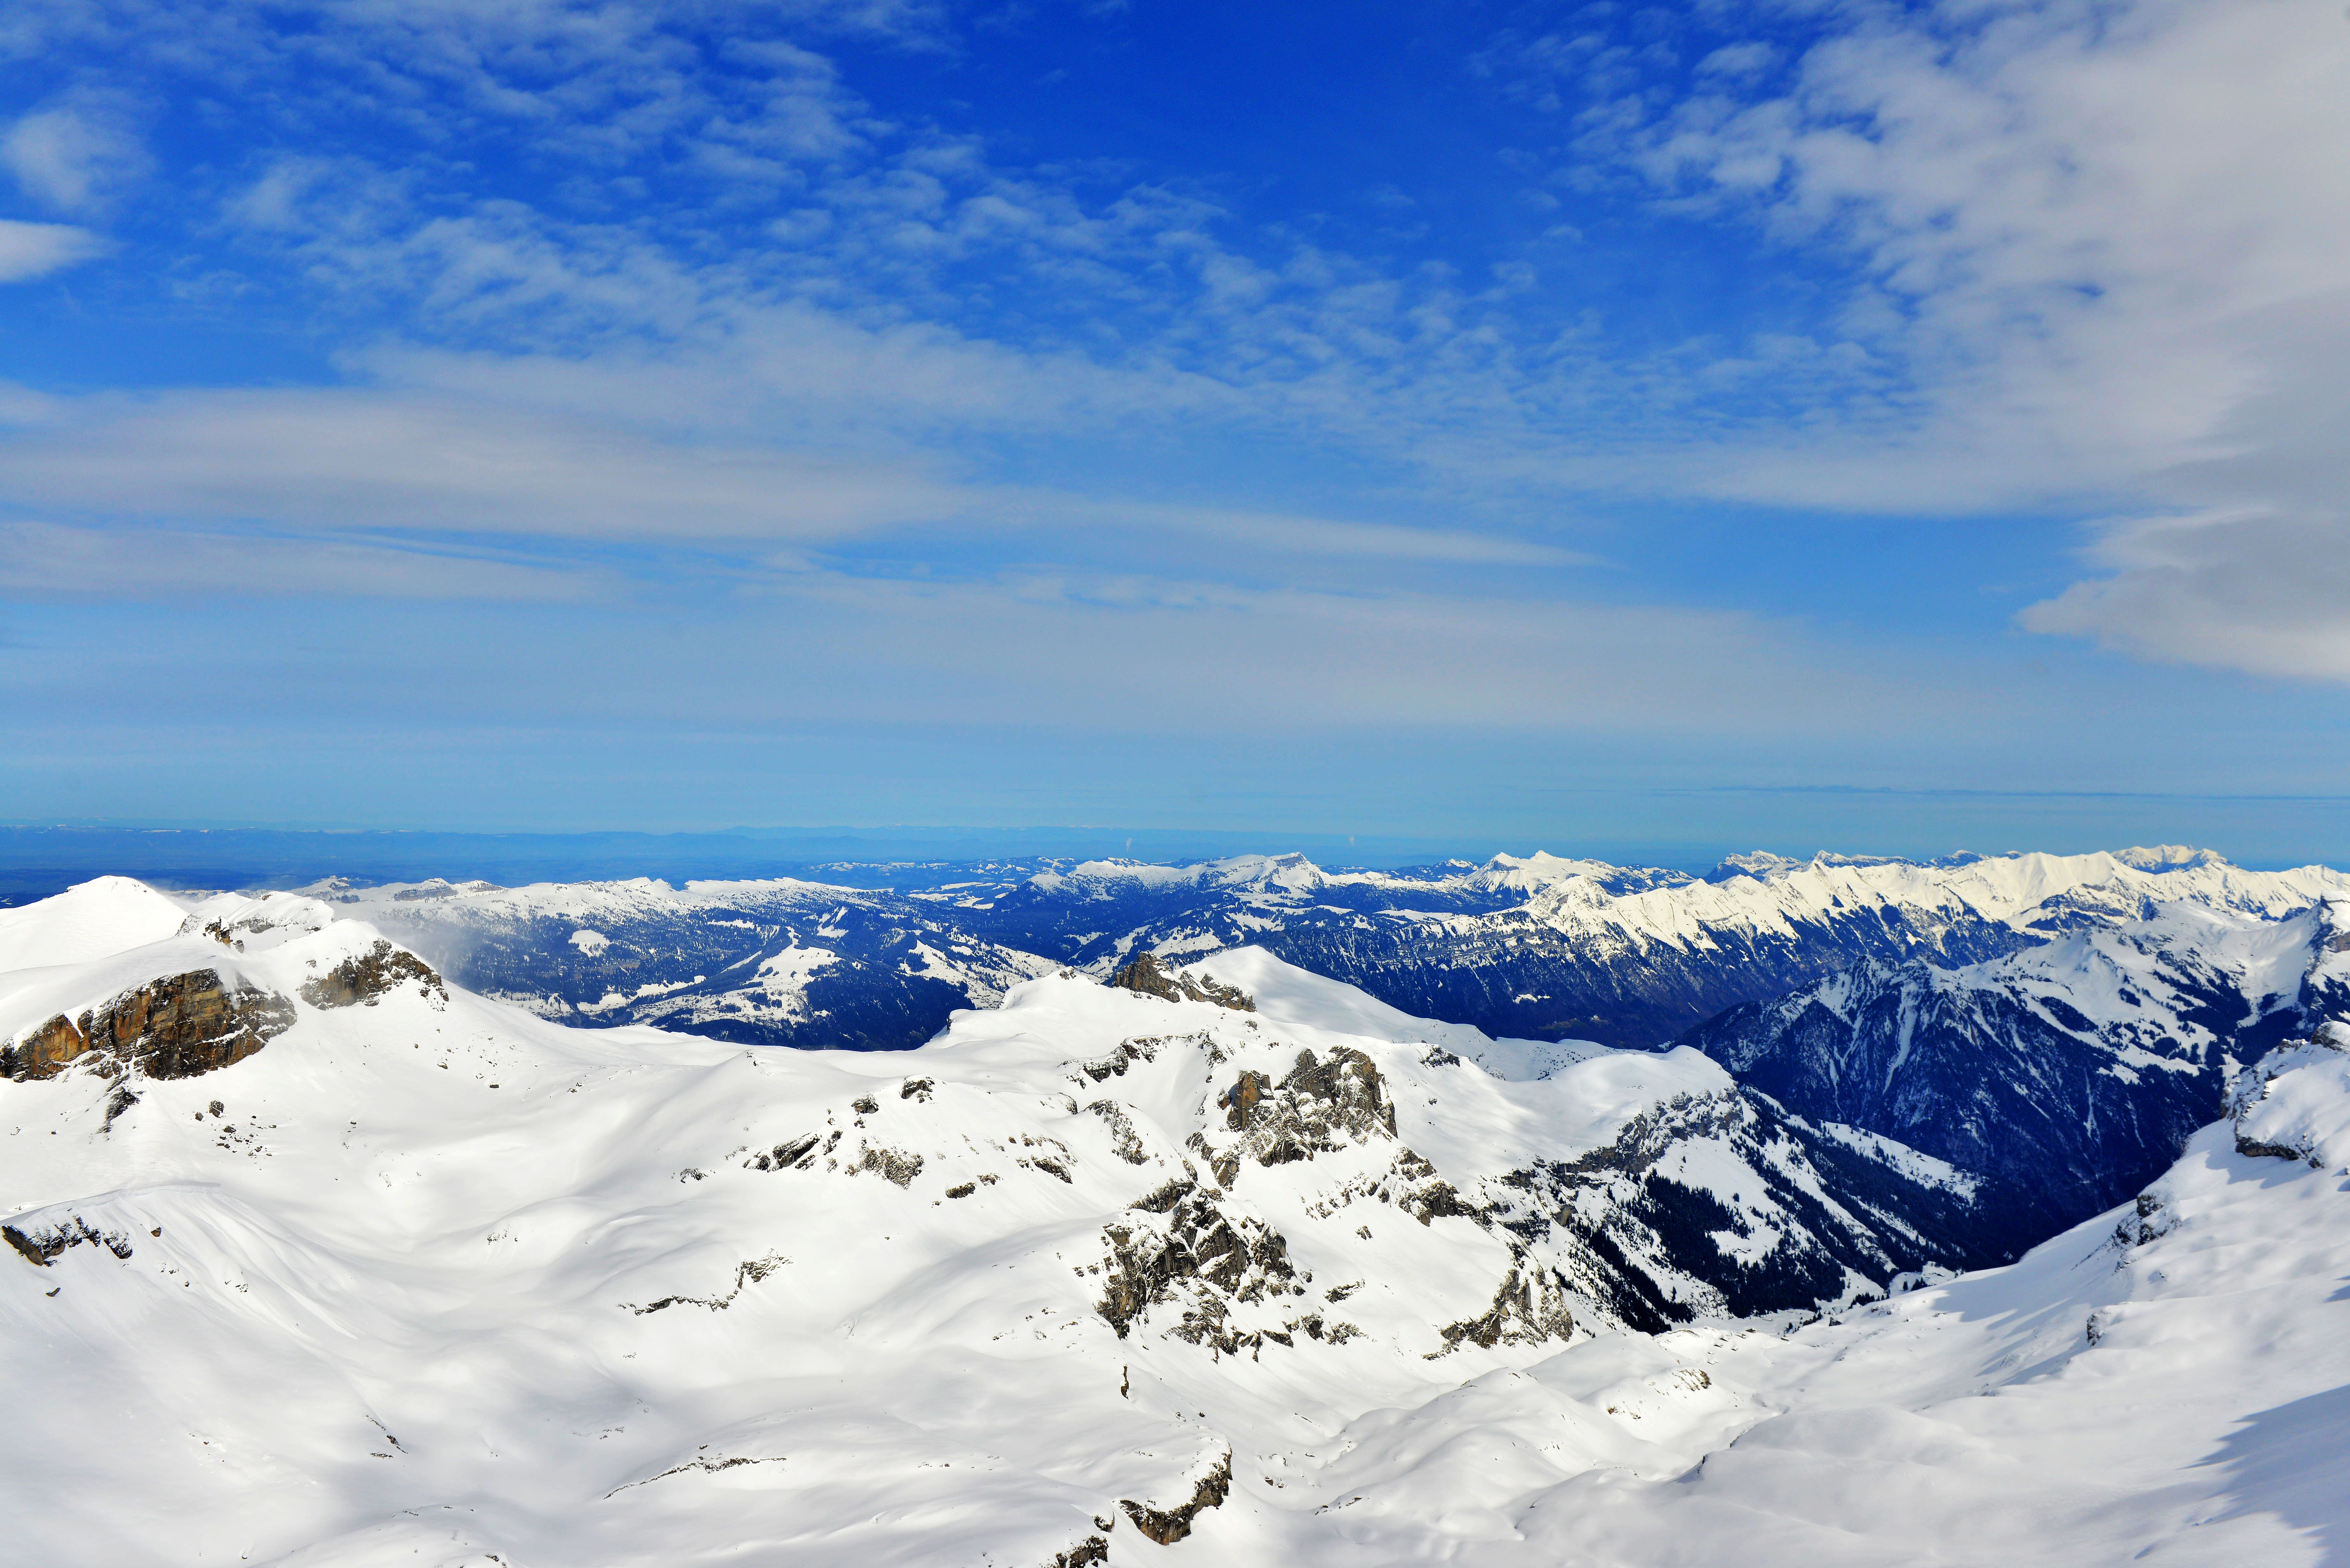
{"type": "Point", "coordinates": [2054, 1025]}
{"type": "Point", "coordinates": [1538, 948]}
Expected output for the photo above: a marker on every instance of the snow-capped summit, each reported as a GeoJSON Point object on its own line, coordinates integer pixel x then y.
{"type": "Point", "coordinates": [96, 918]}
{"type": "Point", "coordinates": [2169, 857]}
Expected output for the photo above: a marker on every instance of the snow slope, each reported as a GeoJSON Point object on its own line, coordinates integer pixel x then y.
{"type": "Point", "coordinates": [88, 921]}
{"type": "Point", "coordinates": [2168, 1383]}
{"type": "Point", "coordinates": [409, 1276]}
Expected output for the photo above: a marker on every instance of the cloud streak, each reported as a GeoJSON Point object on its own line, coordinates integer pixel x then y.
{"type": "Point", "coordinates": [35, 250]}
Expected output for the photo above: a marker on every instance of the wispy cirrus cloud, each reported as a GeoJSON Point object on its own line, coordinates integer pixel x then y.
{"type": "Point", "coordinates": [60, 563]}
{"type": "Point", "coordinates": [443, 465]}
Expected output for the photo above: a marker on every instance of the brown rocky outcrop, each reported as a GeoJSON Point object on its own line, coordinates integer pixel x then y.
{"type": "Point", "coordinates": [48, 1049]}
{"type": "Point", "coordinates": [1147, 977]}
{"type": "Point", "coordinates": [1320, 1102]}
{"type": "Point", "coordinates": [897, 1165]}
{"type": "Point", "coordinates": [1169, 1525]}
{"type": "Point", "coordinates": [172, 1028]}
{"type": "Point", "coordinates": [365, 977]}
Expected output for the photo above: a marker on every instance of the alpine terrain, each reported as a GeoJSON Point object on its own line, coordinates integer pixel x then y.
{"type": "Point", "coordinates": [1538, 948]}
{"type": "Point", "coordinates": [319, 1256]}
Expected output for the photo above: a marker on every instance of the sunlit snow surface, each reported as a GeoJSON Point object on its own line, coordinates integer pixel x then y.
{"type": "Point", "coordinates": [443, 1282]}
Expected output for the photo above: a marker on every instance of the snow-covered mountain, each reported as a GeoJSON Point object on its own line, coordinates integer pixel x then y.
{"type": "Point", "coordinates": [2074, 1071]}
{"type": "Point", "coordinates": [1538, 948]}
{"type": "Point", "coordinates": [775, 963]}
{"type": "Point", "coordinates": [1550, 948]}
{"type": "Point", "coordinates": [320, 1259]}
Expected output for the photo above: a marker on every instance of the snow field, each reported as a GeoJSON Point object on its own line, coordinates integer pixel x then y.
{"type": "Point", "coordinates": [442, 1280]}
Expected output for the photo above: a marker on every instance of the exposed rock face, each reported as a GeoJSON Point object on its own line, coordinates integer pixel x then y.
{"type": "Point", "coordinates": [1309, 1110]}
{"type": "Point", "coordinates": [1212, 1261]}
{"type": "Point", "coordinates": [1202, 1254]}
{"type": "Point", "coordinates": [172, 1028]}
{"type": "Point", "coordinates": [1146, 975]}
{"type": "Point", "coordinates": [1169, 1525]}
{"type": "Point", "coordinates": [1523, 1313]}
{"type": "Point", "coordinates": [1124, 1139]}
{"type": "Point", "coordinates": [41, 1243]}
{"type": "Point", "coordinates": [892, 1164]}
{"type": "Point", "coordinates": [365, 977]}
{"type": "Point", "coordinates": [48, 1049]}
{"type": "Point", "coordinates": [1086, 1553]}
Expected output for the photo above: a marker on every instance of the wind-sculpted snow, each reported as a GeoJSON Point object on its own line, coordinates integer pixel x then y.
{"type": "Point", "coordinates": [1096, 1275]}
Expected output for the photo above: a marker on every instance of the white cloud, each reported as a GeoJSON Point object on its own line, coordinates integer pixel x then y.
{"type": "Point", "coordinates": [2255, 591]}
{"type": "Point", "coordinates": [2103, 245]}
{"type": "Point", "coordinates": [72, 157]}
{"type": "Point", "coordinates": [1214, 658]}
{"type": "Point", "coordinates": [1738, 60]}
{"type": "Point", "coordinates": [57, 562]}
{"type": "Point", "coordinates": [2094, 244]}
{"type": "Point", "coordinates": [569, 464]}
{"type": "Point", "coordinates": [363, 460]}
{"type": "Point", "coordinates": [35, 250]}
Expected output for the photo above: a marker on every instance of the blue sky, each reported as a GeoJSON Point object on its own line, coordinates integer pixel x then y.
{"type": "Point", "coordinates": [1892, 427]}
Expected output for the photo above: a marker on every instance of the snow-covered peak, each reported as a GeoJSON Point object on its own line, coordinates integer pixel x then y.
{"type": "Point", "coordinates": [1243, 874]}
{"type": "Point", "coordinates": [2169, 857]}
{"type": "Point", "coordinates": [1287, 995]}
{"type": "Point", "coordinates": [277, 961]}
{"type": "Point", "coordinates": [1539, 869]}
{"type": "Point", "coordinates": [253, 921]}
{"type": "Point", "coordinates": [88, 920]}
{"type": "Point", "coordinates": [2297, 1106]}
{"type": "Point", "coordinates": [1760, 864]}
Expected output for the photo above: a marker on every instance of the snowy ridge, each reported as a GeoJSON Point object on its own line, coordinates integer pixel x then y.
{"type": "Point", "coordinates": [88, 921]}
{"type": "Point", "coordinates": [1767, 891]}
